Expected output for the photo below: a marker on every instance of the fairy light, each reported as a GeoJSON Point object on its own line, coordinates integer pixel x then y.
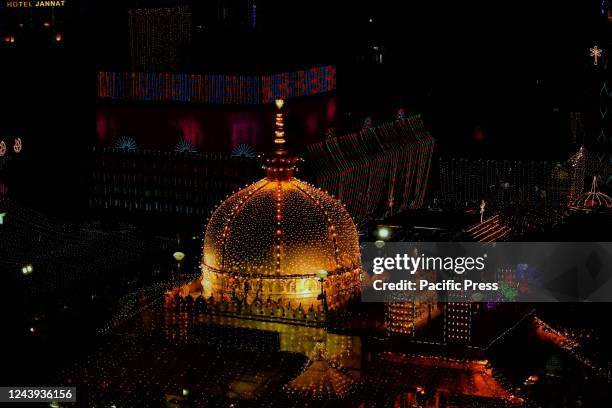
{"type": "Point", "coordinates": [395, 165]}
{"type": "Point", "coordinates": [18, 145]}
{"type": "Point", "coordinates": [157, 35]}
{"type": "Point", "coordinates": [596, 53]}
{"type": "Point", "coordinates": [279, 132]}
{"type": "Point", "coordinates": [458, 322]}
{"type": "Point", "coordinates": [270, 239]}
{"type": "Point", "coordinates": [592, 199]}
{"type": "Point", "coordinates": [213, 88]}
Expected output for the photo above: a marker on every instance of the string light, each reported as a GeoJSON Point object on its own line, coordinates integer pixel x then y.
{"type": "Point", "coordinates": [466, 182]}
{"type": "Point", "coordinates": [267, 243]}
{"type": "Point", "coordinates": [592, 199]}
{"type": "Point", "coordinates": [18, 145]}
{"type": "Point", "coordinates": [596, 53]}
{"type": "Point", "coordinates": [157, 35]}
{"type": "Point", "coordinates": [215, 89]}
{"type": "Point", "coordinates": [387, 165]}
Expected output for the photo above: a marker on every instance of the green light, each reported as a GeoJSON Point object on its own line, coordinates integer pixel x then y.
{"type": "Point", "coordinates": [2, 218]}
{"type": "Point", "coordinates": [322, 274]}
{"type": "Point", "coordinates": [185, 392]}
{"type": "Point", "coordinates": [27, 269]}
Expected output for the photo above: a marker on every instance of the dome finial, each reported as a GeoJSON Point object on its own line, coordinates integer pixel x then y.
{"type": "Point", "coordinates": [279, 128]}
{"type": "Point", "coordinates": [280, 165]}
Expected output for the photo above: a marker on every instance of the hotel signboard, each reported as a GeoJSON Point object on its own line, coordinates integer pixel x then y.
{"type": "Point", "coordinates": [34, 4]}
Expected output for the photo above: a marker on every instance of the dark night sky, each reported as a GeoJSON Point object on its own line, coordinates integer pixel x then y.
{"type": "Point", "coordinates": [501, 66]}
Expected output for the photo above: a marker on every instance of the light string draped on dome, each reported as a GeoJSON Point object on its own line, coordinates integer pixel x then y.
{"type": "Point", "coordinates": [272, 240]}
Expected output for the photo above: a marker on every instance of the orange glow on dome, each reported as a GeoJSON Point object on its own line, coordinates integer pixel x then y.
{"type": "Point", "coordinates": [308, 218]}
{"type": "Point", "coordinates": [279, 234]}
{"type": "Point", "coordinates": [270, 241]}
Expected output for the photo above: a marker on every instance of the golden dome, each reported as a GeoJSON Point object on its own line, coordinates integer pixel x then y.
{"type": "Point", "coordinates": [281, 228]}
{"type": "Point", "coordinates": [271, 241]}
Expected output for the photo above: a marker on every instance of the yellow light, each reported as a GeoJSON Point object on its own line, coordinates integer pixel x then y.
{"type": "Point", "coordinates": [279, 103]}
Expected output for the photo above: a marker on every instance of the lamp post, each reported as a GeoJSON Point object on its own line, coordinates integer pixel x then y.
{"type": "Point", "coordinates": [178, 257]}
{"type": "Point", "coordinates": [322, 275]}
{"type": "Point", "coordinates": [383, 232]}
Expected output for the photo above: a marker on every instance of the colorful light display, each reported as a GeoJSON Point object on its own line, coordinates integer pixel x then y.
{"type": "Point", "coordinates": [185, 146]}
{"type": "Point", "coordinates": [502, 183]}
{"type": "Point", "coordinates": [215, 89]}
{"type": "Point", "coordinates": [593, 199]}
{"type": "Point", "coordinates": [267, 244]}
{"type": "Point", "coordinates": [157, 36]}
{"type": "Point", "coordinates": [17, 146]}
{"type": "Point", "coordinates": [126, 143]}
{"type": "Point", "coordinates": [243, 150]}
{"type": "Point", "coordinates": [384, 168]}
{"type": "Point", "coordinates": [596, 53]}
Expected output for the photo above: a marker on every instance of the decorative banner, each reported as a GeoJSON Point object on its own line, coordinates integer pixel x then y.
{"type": "Point", "coordinates": [215, 89]}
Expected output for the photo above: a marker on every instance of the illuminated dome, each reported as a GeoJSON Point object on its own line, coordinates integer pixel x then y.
{"type": "Point", "coordinates": [281, 228]}
{"type": "Point", "coordinates": [275, 240]}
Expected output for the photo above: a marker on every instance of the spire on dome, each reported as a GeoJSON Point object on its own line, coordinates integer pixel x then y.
{"type": "Point", "coordinates": [280, 165]}
{"type": "Point", "coordinates": [279, 129]}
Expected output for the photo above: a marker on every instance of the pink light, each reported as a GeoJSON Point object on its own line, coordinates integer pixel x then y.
{"type": "Point", "coordinates": [101, 127]}
{"type": "Point", "coordinates": [191, 131]}
{"type": "Point", "coordinates": [244, 128]}
{"type": "Point", "coordinates": [311, 124]}
{"type": "Point", "coordinates": [331, 110]}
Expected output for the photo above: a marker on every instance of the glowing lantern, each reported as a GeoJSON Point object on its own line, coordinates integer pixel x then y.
{"type": "Point", "coordinates": [383, 232]}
